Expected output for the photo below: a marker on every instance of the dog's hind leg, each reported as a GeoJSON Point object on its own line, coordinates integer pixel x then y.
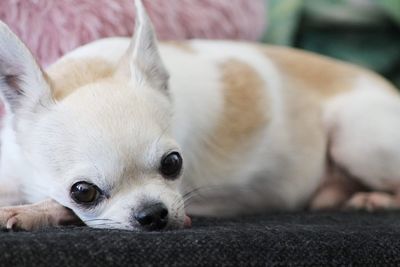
{"type": "Point", "coordinates": [364, 130]}
{"type": "Point", "coordinates": [336, 189]}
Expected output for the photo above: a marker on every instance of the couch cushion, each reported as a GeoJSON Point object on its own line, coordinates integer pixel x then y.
{"type": "Point", "coordinates": [298, 239]}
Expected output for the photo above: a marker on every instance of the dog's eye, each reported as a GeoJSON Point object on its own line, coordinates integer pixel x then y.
{"type": "Point", "coordinates": [85, 193]}
{"type": "Point", "coordinates": [171, 165]}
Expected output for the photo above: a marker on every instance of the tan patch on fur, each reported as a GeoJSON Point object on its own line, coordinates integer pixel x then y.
{"type": "Point", "coordinates": [245, 105]}
{"type": "Point", "coordinates": [319, 74]}
{"type": "Point", "coordinates": [70, 74]}
{"type": "Point", "coordinates": [181, 45]}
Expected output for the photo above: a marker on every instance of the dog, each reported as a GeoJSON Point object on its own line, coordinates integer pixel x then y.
{"type": "Point", "coordinates": [135, 134]}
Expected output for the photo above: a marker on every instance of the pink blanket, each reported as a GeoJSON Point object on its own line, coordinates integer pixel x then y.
{"type": "Point", "coordinates": [53, 27]}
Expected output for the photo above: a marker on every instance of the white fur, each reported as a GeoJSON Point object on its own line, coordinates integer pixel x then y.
{"type": "Point", "coordinates": [191, 91]}
{"type": "Point", "coordinates": [117, 143]}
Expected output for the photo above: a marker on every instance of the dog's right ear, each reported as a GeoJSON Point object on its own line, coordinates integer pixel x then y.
{"type": "Point", "coordinates": [23, 86]}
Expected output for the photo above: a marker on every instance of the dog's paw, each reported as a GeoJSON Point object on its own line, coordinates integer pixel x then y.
{"type": "Point", "coordinates": [5, 215]}
{"type": "Point", "coordinates": [22, 218]}
{"type": "Point", "coordinates": [371, 201]}
{"type": "Point", "coordinates": [36, 216]}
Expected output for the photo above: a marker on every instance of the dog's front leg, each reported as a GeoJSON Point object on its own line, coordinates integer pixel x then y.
{"type": "Point", "coordinates": [9, 197]}
{"type": "Point", "coordinates": [36, 216]}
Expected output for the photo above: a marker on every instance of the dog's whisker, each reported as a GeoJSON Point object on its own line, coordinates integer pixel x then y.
{"type": "Point", "coordinates": [93, 220]}
{"type": "Point", "coordinates": [188, 197]}
{"type": "Point", "coordinates": [105, 222]}
{"type": "Point", "coordinates": [109, 223]}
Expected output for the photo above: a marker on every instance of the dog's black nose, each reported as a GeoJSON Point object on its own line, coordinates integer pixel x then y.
{"type": "Point", "coordinates": [153, 216]}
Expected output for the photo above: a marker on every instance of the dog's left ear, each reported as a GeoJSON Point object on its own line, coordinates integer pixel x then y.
{"type": "Point", "coordinates": [142, 61]}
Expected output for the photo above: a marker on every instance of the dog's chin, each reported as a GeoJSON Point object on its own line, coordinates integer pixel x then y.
{"type": "Point", "coordinates": [186, 222]}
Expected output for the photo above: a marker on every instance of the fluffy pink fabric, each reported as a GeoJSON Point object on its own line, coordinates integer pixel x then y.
{"type": "Point", "coordinates": [53, 27]}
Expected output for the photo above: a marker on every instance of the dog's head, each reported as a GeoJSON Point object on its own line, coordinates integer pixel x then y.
{"type": "Point", "coordinates": [105, 150]}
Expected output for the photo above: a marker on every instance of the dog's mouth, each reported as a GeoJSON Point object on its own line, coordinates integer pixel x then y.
{"type": "Point", "coordinates": [111, 224]}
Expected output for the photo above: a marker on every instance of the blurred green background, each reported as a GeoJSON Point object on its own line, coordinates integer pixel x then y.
{"type": "Point", "coordinates": [365, 32]}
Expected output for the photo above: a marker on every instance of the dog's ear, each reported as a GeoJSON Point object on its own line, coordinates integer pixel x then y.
{"type": "Point", "coordinates": [142, 61]}
{"type": "Point", "coordinates": [22, 82]}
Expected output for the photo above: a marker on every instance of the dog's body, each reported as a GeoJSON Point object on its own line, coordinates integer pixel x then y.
{"type": "Point", "coordinates": [255, 122]}
{"type": "Point", "coordinates": [258, 127]}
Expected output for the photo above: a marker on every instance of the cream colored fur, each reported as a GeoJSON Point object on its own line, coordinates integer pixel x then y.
{"type": "Point", "coordinates": [111, 121]}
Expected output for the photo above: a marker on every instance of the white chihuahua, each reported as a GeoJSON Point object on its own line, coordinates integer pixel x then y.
{"type": "Point", "coordinates": [106, 132]}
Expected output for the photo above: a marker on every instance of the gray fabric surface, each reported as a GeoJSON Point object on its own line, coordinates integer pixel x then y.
{"type": "Point", "coordinates": [297, 239]}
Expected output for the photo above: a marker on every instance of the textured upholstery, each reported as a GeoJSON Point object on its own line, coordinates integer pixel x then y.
{"type": "Point", "coordinates": [298, 239]}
